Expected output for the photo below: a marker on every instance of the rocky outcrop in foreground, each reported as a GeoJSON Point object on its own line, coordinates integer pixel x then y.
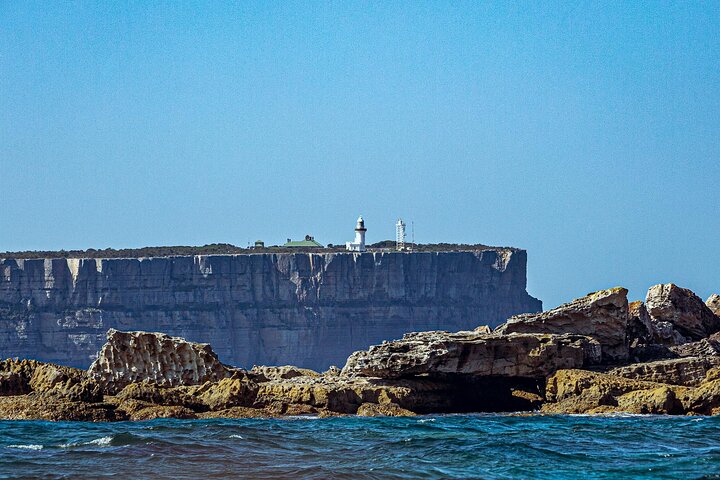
{"type": "Point", "coordinates": [596, 354]}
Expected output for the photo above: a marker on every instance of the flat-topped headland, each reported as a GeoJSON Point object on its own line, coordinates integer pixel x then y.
{"type": "Point", "coordinates": [273, 306]}
{"type": "Point", "coordinates": [597, 355]}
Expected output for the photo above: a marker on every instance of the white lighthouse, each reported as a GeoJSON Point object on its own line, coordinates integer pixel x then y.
{"type": "Point", "coordinates": [359, 244]}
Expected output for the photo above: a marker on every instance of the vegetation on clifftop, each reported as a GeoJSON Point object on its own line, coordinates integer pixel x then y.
{"type": "Point", "coordinates": [229, 249]}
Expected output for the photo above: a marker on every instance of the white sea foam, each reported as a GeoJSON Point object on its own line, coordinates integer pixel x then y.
{"type": "Point", "coordinates": [102, 441]}
{"type": "Point", "coordinates": [236, 436]}
{"type": "Point", "coordinates": [26, 447]}
{"type": "Point", "coordinates": [424, 420]}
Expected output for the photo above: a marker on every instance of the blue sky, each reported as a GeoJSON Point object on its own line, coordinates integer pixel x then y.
{"type": "Point", "coordinates": [584, 132]}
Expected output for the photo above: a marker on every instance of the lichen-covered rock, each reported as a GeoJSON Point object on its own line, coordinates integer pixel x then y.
{"type": "Point", "coordinates": [383, 410]}
{"type": "Point", "coordinates": [282, 373]}
{"type": "Point", "coordinates": [32, 407]}
{"type": "Point", "coordinates": [601, 315]}
{"type": "Point", "coordinates": [437, 354]}
{"type": "Point", "coordinates": [239, 390]}
{"type": "Point", "coordinates": [564, 384]}
{"type": "Point", "coordinates": [683, 309]}
{"type": "Point", "coordinates": [15, 376]}
{"type": "Point", "coordinates": [130, 357]}
{"type": "Point", "coordinates": [688, 371]}
{"type": "Point", "coordinates": [660, 400]}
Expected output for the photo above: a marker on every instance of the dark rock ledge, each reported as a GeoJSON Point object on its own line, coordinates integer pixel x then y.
{"type": "Point", "coordinates": [596, 354]}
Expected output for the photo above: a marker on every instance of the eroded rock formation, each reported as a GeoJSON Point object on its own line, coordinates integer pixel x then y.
{"type": "Point", "coordinates": [601, 315]}
{"type": "Point", "coordinates": [681, 308]}
{"type": "Point", "coordinates": [306, 309]}
{"type": "Point", "coordinates": [474, 354]}
{"type": "Point", "coordinates": [130, 357]}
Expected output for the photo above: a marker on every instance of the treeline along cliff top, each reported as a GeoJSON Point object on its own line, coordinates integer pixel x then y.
{"type": "Point", "coordinates": [229, 249]}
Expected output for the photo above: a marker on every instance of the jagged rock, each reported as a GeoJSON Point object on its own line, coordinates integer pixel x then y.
{"type": "Point", "coordinates": [130, 357]}
{"type": "Point", "coordinates": [283, 308]}
{"type": "Point", "coordinates": [471, 353]}
{"type": "Point", "coordinates": [383, 410]}
{"type": "Point", "coordinates": [687, 313]}
{"type": "Point", "coordinates": [281, 373]}
{"type": "Point", "coordinates": [639, 326]}
{"type": "Point", "coordinates": [688, 371]}
{"type": "Point", "coordinates": [713, 303]}
{"type": "Point", "coordinates": [15, 376]}
{"type": "Point", "coordinates": [601, 315]}
{"type": "Point", "coordinates": [707, 347]}
{"type": "Point", "coordinates": [20, 377]}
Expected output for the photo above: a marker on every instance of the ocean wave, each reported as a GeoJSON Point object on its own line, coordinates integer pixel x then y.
{"type": "Point", "coordinates": [26, 447]}
{"type": "Point", "coordinates": [235, 436]}
{"type": "Point", "coordinates": [100, 442]}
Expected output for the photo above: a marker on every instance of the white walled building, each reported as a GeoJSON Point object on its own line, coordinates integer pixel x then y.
{"type": "Point", "coordinates": [359, 244]}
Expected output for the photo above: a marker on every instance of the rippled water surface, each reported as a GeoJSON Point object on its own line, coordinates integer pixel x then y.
{"type": "Point", "coordinates": [456, 446]}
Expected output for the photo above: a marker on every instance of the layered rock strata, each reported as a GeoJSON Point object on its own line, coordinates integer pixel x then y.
{"type": "Point", "coordinates": [475, 354]}
{"type": "Point", "coordinates": [601, 315]}
{"type": "Point", "coordinates": [305, 309]}
{"type": "Point", "coordinates": [141, 376]}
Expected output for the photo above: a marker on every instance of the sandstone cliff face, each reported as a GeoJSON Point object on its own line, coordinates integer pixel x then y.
{"type": "Point", "coordinates": [309, 310]}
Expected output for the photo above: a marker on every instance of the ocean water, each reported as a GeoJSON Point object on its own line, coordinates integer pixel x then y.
{"type": "Point", "coordinates": [451, 446]}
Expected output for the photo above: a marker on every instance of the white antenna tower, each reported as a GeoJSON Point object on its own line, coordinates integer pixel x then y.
{"type": "Point", "coordinates": [413, 234]}
{"type": "Point", "coordinates": [400, 235]}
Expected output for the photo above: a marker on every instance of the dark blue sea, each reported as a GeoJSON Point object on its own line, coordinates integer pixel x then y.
{"type": "Point", "coordinates": [454, 446]}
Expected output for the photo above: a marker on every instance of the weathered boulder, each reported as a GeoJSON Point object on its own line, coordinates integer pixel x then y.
{"type": "Point", "coordinates": [713, 303]}
{"type": "Point", "coordinates": [680, 307]}
{"type": "Point", "coordinates": [438, 354]}
{"type": "Point", "coordinates": [130, 357]}
{"type": "Point", "coordinates": [601, 315]}
{"type": "Point", "coordinates": [688, 371]}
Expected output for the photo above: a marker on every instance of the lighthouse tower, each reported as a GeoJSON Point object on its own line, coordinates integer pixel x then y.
{"type": "Point", "coordinates": [359, 244]}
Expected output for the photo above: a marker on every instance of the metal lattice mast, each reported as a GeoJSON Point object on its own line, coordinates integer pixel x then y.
{"type": "Point", "coordinates": [400, 235]}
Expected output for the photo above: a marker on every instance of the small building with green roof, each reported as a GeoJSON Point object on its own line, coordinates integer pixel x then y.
{"type": "Point", "coordinates": [309, 242]}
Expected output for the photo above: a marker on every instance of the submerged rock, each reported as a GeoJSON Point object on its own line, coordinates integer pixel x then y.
{"type": "Point", "coordinates": [130, 357]}
{"type": "Point", "coordinates": [601, 315]}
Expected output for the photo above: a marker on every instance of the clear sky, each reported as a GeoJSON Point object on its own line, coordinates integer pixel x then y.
{"type": "Point", "coordinates": [585, 132]}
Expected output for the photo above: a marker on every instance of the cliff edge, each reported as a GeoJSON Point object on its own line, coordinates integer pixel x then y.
{"type": "Point", "coordinates": [305, 309]}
